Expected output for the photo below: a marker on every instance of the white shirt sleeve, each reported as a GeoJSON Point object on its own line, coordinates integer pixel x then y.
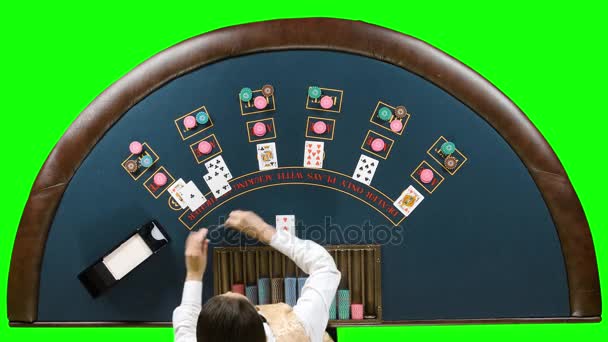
{"type": "Point", "coordinates": [185, 316]}
{"type": "Point", "coordinates": [319, 290]}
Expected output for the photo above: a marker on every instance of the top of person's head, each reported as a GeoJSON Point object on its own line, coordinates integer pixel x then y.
{"type": "Point", "coordinates": [229, 318]}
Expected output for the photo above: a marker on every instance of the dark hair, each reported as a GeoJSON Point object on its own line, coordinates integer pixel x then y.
{"type": "Point", "coordinates": [229, 319]}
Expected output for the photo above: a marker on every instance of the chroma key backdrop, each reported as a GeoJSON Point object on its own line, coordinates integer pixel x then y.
{"type": "Point", "coordinates": [547, 58]}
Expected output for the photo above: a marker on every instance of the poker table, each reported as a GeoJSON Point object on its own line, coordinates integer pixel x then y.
{"type": "Point", "coordinates": [498, 236]}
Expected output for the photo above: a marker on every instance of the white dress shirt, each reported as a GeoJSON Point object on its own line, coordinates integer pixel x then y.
{"type": "Point", "coordinates": [312, 308]}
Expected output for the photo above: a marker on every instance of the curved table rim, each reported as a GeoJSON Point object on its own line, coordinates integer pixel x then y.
{"type": "Point", "coordinates": [311, 33]}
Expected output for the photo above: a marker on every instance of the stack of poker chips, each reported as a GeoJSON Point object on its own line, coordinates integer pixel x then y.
{"type": "Point", "coordinates": [252, 294]}
{"type": "Point", "coordinates": [264, 291]}
{"type": "Point", "coordinates": [332, 309]}
{"type": "Point", "coordinates": [238, 288]}
{"type": "Point", "coordinates": [277, 293]}
{"type": "Point", "coordinates": [356, 311]}
{"type": "Point", "coordinates": [301, 282]}
{"type": "Point", "coordinates": [291, 291]}
{"type": "Point", "coordinates": [343, 304]}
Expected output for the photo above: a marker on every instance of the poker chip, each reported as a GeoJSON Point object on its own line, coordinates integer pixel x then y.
{"type": "Point", "coordinates": [131, 166]}
{"type": "Point", "coordinates": [400, 112]}
{"type": "Point", "coordinates": [301, 282]}
{"type": "Point", "coordinates": [146, 161]}
{"type": "Point", "coordinates": [319, 127]}
{"type": "Point", "coordinates": [343, 304]}
{"type": "Point", "coordinates": [378, 145]}
{"type": "Point", "coordinates": [264, 291]}
{"type": "Point", "coordinates": [314, 92]}
{"type": "Point", "coordinates": [189, 122]}
{"type": "Point", "coordinates": [205, 147]}
{"type": "Point", "coordinates": [160, 179]}
{"type": "Point", "coordinates": [202, 118]}
{"type": "Point", "coordinates": [426, 176]}
{"type": "Point", "coordinates": [356, 311]}
{"type": "Point", "coordinates": [291, 291]}
{"type": "Point", "coordinates": [450, 162]}
{"type": "Point", "coordinates": [245, 94]}
{"type": "Point", "coordinates": [326, 102]}
{"type": "Point", "coordinates": [259, 129]}
{"type": "Point", "coordinates": [332, 309]}
{"type": "Point", "coordinates": [384, 113]}
{"type": "Point", "coordinates": [260, 102]}
{"type": "Point", "coordinates": [396, 126]}
{"type": "Point", "coordinates": [277, 293]}
{"type": "Point", "coordinates": [252, 294]}
{"type": "Point", "coordinates": [267, 90]}
{"type": "Point", "coordinates": [448, 147]}
{"type": "Point", "coordinates": [135, 147]}
{"type": "Point", "coordinates": [238, 288]}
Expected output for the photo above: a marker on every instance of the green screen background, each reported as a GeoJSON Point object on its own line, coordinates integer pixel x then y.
{"type": "Point", "coordinates": [548, 58]}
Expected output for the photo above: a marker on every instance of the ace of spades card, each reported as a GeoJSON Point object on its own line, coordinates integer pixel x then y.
{"type": "Point", "coordinates": [314, 154]}
{"type": "Point", "coordinates": [408, 200]}
{"type": "Point", "coordinates": [365, 169]}
{"type": "Point", "coordinates": [217, 166]}
{"type": "Point", "coordinates": [267, 156]}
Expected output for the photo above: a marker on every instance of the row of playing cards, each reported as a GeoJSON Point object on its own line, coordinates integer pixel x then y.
{"type": "Point", "coordinates": [187, 194]}
{"type": "Point", "coordinates": [218, 176]}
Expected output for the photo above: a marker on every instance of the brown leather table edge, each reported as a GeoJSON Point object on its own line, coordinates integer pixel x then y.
{"type": "Point", "coordinates": [313, 33]}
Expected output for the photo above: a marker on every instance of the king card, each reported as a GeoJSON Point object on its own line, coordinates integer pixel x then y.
{"type": "Point", "coordinates": [267, 156]}
{"type": "Point", "coordinates": [408, 200]}
{"type": "Point", "coordinates": [174, 191]}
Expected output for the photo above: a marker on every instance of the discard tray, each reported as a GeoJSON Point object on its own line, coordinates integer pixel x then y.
{"type": "Point", "coordinates": [359, 265]}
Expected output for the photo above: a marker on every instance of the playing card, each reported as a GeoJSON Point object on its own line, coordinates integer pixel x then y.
{"type": "Point", "coordinates": [192, 196]}
{"type": "Point", "coordinates": [314, 154]}
{"type": "Point", "coordinates": [174, 192]}
{"type": "Point", "coordinates": [217, 184]}
{"type": "Point", "coordinates": [217, 166]}
{"type": "Point", "coordinates": [408, 200]}
{"type": "Point", "coordinates": [267, 156]}
{"type": "Point", "coordinates": [286, 223]}
{"type": "Point", "coordinates": [365, 170]}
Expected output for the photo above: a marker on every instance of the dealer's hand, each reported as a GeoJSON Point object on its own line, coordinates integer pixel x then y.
{"type": "Point", "coordinates": [196, 254]}
{"type": "Point", "coordinates": [251, 224]}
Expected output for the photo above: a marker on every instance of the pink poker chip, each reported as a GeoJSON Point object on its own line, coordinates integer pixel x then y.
{"type": "Point", "coordinates": [319, 127]}
{"type": "Point", "coordinates": [356, 311]}
{"type": "Point", "coordinates": [378, 145]}
{"type": "Point", "coordinates": [205, 147]}
{"type": "Point", "coordinates": [260, 102]}
{"type": "Point", "coordinates": [190, 122]}
{"type": "Point", "coordinates": [396, 126]}
{"type": "Point", "coordinates": [326, 102]}
{"type": "Point", "coordinates": [238, 288]}
{"type": "Point", "coordinates": [426, 176]}
{"type": "Point", "coordinates": [135, 147]}
{"type": "Point", "coordinates": [259, 129]}
{"type": "Point", "coordinates": [160, 179]}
